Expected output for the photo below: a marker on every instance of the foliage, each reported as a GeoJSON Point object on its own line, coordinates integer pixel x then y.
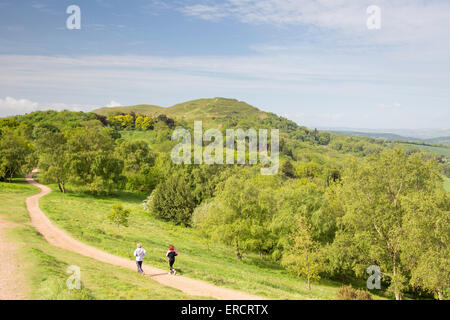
{"type": "Point", "coordinates": [172, 200]}
{"type": "Point", "coordinates": [16, 155]}
{"type": "Point", "coordinates": [54, 165]}
{"type": "Point", "coordinates": [359, 201]}
{"type": "Point", "coordinates": [288, 169]}
{"type": "Point", "coordinates": [138, 165]}
{"type": "Point", "coordinates": [240, 214]}
{"type": "Point", "coordinates": [92, 161]}
{"type": "Point", "coordinates": [349, 293]}
{"type": "Point", "coordinates": [425, 246]}
{"type": "Point", "coordinates": [301, 256]}
{"type": "Point", "coordinates": [119, 216]}
{"type": "Point", "coordinates": [372, 196]}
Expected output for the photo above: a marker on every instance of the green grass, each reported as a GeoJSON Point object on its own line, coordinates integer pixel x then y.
{"type": "Point", "coordinates": [45, 265]}
{"type": "Point", "coordinates": [211, 111]}
{"type": "Point", "coordinates": [447, 184]}
{"type": "Point", "coordinates": [441, 150]}
{"type": "Point", "coordinates": [142, 109]}
{"type": "Point", "coordinates": [84, 216]}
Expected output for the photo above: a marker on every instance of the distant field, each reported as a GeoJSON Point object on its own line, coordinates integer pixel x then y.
{"type": "Point", "coordinates": [45, 266]}
{"type": "Point", "coordinates": [447, 184]}
{"type": "Point", "coordinates": [441, 150]}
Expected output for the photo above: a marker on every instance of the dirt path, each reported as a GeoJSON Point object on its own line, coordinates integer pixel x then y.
{"type": "Point", "coordinates": [12, 281]}
{"type": "Point", "coordinates": [61, 239]}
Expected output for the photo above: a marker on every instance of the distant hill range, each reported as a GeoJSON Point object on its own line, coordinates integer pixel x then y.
{"type": "Point", "coordinates": [445, 140]}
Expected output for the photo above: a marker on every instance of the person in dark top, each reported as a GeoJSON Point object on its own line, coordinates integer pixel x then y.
{"type": "Point", "coordinates": [171, 254]}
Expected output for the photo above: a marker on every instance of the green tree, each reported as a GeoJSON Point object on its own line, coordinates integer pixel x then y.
{"type": "Point", "coordinates": [288, 169]}
{"type": "Point", "coordinates": [119, 216]}
{"type": "Point", "coordinates": [16, 154]}
{"type": "Point", "coordinates": [371, 197]}
{"type": "Point", "coordinates": [426, 241]}
{"type": "Point", "coordinates": [172, 200]}
{"type": "Point", "coordinates": [301, 256]}
{"type": "Point", "coordinates": [309, 170]}
{"type": "Point", "coordinates": [54, 166]}
{"type": "Point", "coordinates": [296, 201]}
{"type": "Point", "coordinates": [138, 165]}
{"type": "Point", "coordinates": [240, 214]}
{"type": "Point", "coordinates": [202, 218]}
{"type": "Point", "coordinates": [92, 160]}
{"type": "Point", "coordinates": [144, 123]}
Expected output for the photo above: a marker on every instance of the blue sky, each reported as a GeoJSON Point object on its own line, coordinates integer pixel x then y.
{"type": "Point", "coordinates": [313, 61]}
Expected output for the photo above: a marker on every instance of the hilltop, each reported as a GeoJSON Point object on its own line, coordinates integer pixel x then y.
{"type": "Point", "coordinates": [213, 111]}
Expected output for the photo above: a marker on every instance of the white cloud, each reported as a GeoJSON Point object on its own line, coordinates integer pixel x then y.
{"type": "Point", "coordinates": [402, 21]}
{"type": "Point", "coordinates": [331, 84]}
{"type": "Point", "coordinates": [10, 106]}
{"type": "Point", "coordinates": [205, 12]}
{"type": "Point", "coordinates": [113, 103]}
{"type": "Point", "coordinates": [42, 7]}
{"type": "Point", "coordinates": [392, 106]}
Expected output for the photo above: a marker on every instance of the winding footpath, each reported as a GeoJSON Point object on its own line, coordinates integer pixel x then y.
{"type": "Point", "coordinates": [59, 238]}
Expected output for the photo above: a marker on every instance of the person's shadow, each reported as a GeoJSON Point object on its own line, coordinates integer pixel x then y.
{"type": "Point", "coordinates": [155, 275]}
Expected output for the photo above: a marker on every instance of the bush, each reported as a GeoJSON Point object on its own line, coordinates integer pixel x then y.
{"type": "Point", "coordinates": [363, 295]}
{"type": "Point", "coordinates": [349, 293]}
{"type": "Point", "coordinates": [172, 201]}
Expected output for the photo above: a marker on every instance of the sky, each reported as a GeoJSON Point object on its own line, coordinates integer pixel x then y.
{"type": "Point", "coordinates": [313, 61]}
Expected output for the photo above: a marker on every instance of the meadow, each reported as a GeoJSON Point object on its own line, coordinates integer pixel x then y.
{"type": "Point", "coordinates": [45, 265]}
{"type": "Point", "coordinates": [447, 184]}
{"type": "Point", "coordinates": [84, 216]}
{"type": "Point", "coordinates": [445, 151]}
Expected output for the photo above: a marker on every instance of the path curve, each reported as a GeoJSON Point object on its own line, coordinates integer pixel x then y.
{"type": "Point", "coordinates": [59, 238]}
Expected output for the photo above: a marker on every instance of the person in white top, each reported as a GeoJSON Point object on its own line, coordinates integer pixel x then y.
{"type": "Point", "coordinates": [139, 253]}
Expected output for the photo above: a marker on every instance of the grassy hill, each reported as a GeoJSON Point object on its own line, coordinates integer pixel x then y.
{"type": "Point", "coordinates": [198, 259]}
{"type": "Point", "coordinates": [439, 140]}
{"type": "Point", "coordinates": [145, 109]}
{"type": "Point", "coordinates": [45, 265]}
{"type": "Point", "coordinates": [212, 112]}
{"type": "Point", "coordinates": [447, 184]}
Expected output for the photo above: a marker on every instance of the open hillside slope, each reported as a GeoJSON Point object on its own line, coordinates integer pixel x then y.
{"type": "Point", "coordinates": [234, 227]}
{"type": "Point", "coordinates": [212, 111]}
{"type": "Point", "coordinates": [145, 109]}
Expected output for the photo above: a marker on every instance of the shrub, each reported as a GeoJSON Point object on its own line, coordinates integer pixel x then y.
{"type": "Point", "coordinates": [172, 201]}
{"type": "Point", "coordinates": [349, 293]}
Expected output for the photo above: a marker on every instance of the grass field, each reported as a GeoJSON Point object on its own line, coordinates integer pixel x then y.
{"type": "Point", "coordinates": [447, 184]}
{"type": "Point", "coordinates": [84, 216]}
{"type": "Point", "coordinates": [211, 111]}
{"type": "Point", "coordinates": [441, 150]}
{"type": "Point", "coordinates": [45, 266]}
